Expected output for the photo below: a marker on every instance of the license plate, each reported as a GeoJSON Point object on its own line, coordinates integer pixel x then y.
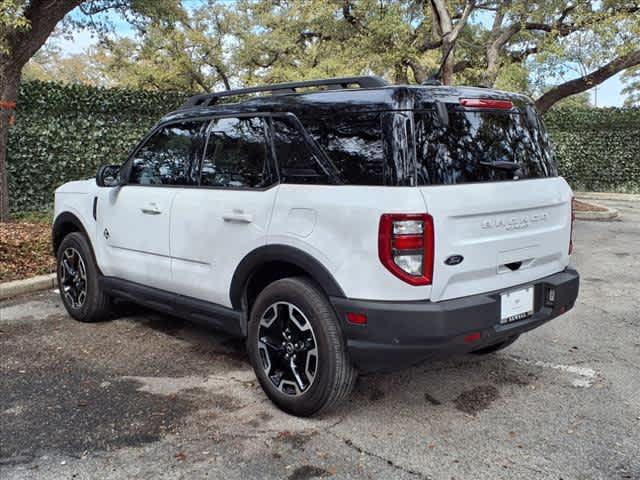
{"type": "Point", "coordinates": [516, 305]}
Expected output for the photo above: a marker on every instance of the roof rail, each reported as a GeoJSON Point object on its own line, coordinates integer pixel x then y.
{"type": "Point", "coordinates": [207, 99]}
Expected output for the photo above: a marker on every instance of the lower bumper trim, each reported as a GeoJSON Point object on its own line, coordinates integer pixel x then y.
{"type": "Point", "coordinates": [400, 334]}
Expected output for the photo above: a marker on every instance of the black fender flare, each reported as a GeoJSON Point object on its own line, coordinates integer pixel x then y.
{"type": "Point", "coordinates": [57, 228]}
{"type": "Point", "coordinates": [280, 253]}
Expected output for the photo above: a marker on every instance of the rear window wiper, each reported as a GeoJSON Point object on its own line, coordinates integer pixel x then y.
{"type": "Point", "coordinates": [501, 165]}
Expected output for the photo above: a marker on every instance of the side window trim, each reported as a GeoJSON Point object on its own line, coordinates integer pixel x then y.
{"type": "Point", "coordinates": [271, 160]}
{"type": "Point", "coordinates": [126, 166]}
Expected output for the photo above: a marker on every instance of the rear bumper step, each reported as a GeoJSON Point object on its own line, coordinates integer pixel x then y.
{"type": "Point", "coordinates": [401, 334]}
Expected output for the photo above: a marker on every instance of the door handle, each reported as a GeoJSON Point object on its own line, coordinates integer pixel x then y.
{"type": "Point", "coordinates": [151, 209]}
{"type": "Point", "coordinates": [237, 217]}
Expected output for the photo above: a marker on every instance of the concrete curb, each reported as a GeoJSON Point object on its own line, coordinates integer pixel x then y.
{"type": "Point", "coordinates": [608, 214]}
{"type": "Point", "coordinates": [616, 197]}
{"type": "Point", "coordinates": [29, 285]}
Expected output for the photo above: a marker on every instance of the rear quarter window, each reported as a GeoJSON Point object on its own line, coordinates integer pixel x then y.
{"type": "Point", "coordinates": [353, 142]}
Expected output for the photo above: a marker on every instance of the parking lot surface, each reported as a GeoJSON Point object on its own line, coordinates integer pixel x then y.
{"type": "Point", "coordinates": [148, 396]}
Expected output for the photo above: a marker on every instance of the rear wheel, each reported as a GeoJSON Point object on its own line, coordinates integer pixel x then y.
{"type": "Point", "coordinates": [496, 347]}
{"type": "Point", "coordinates": [297, 348]}
{"type": "Point", "coordinates": [78, 280]}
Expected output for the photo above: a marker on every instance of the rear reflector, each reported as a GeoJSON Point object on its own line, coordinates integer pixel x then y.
{"type": "Point", "coordinates": [357, 318]}
{"type": "Point", "coordinates": [486, 103]}
{"type": "Point", "coordinates": [472, 337]}
{"type": "Point", "coordinates": [408, 242]}
{"type": "Point", "coordinates": [406, 246]}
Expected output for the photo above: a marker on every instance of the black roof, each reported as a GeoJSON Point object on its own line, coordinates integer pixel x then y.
{"type": "Point", "coordinates": [356, 94]}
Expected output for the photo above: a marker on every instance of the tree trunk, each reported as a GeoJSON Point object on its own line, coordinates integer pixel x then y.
{"type": "Point", "coordinates": [447, 67]}
{"type": "Point", "coordinates": [9, 82]}
{"type": "Point", "coordinates": [579, 85]}
{"type": "Point", "coordinates": [43, 16]}
{"type": "Point", "coordinates": [493, 67]}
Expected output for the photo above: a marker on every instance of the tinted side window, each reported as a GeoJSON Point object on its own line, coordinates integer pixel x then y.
{"type": "Point", "coordinates": [167, 157]}
{"type": "Point", "coordinates": [353, 142]}
{"type": "Point", "coordinates": [237, 154]}
{"type": "Point", "coordinates": [296, 160]}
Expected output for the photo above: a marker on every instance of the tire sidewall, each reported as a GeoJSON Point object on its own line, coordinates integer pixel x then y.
{"type": "Point", "coordinates": [308, 300]}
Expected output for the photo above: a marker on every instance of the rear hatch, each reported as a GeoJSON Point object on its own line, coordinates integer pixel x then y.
{"type": "Point", "coordinates": [502, 216]}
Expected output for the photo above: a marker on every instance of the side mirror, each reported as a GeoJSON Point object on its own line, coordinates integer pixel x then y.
{"type": "Point", "coordinates": [108, 176]}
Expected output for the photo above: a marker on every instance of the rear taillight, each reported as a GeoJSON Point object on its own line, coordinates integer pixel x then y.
{"type": "Point", "coordinates": [486, 103]}
{"type": "Point", "coordinates": [406, 246]}
{"type": "Point", "coordinates": [573, 219]}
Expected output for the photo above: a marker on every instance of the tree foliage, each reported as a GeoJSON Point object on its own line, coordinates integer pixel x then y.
{"type": "Point", "coordinates": [11, 19]}
{"type": "Point", "coordinates": [535, 47]}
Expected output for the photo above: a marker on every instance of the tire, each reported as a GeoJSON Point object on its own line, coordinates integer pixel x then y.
{"type": "Point", "coordinates": [329, 378]}
{"type": "Point", "coordinates": [94, 305]}
{"type": "Point", "coordinates": [496, 347]}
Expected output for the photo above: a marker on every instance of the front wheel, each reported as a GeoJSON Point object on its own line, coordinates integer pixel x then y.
{"type": "Point", "coordinates": [297, 349]}
{"type": "Point", "coordinates": [78, 280]}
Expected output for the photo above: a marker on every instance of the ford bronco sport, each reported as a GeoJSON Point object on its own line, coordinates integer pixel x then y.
{"type": "Point", "coordinates": [339, 225]}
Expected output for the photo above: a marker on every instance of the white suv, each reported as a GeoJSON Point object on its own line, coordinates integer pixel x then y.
{"type": "Point", "coordinates": [339, 225]}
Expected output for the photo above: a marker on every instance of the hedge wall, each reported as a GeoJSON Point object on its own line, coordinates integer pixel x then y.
{"type": "Point", "coordinates": [65, 132]}
{"type": "Point", "coordinates": [597, 149]}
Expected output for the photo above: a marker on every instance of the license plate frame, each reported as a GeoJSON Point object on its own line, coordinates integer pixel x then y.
{"type": "Point", "coordinates": [516, 304]}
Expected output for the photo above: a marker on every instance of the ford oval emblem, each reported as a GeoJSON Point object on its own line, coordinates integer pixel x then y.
{"type": "Point", "coordinates": [454, 260]}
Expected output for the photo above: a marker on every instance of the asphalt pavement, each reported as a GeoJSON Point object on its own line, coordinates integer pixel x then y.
{"type": "Point", "coordinates": [149, 396]}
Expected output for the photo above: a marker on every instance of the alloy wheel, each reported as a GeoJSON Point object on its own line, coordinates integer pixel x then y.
{"type": "Point", "coordinates": [288, 348]}
{"type": "Point", "coordinates": [73, 277]}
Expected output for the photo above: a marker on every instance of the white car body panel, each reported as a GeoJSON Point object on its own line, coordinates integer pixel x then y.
{"type": "Point", "coordinates": [76, 198]}
{"type": "Point", "coordinates": [496, 223]}
{"type": "Point", "coordinates": [137, 221]}
{"type": "Point", "coordinates": [345, 236]}
{"type": "Point", "coordinates": [212, 230]}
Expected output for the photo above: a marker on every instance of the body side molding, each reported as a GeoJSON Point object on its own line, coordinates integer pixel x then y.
{"type": "Point", "coordinates": [192, 309]}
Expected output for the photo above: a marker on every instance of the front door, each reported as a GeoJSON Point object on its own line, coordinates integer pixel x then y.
{"type": "Point", "coordinates": [133, 220]}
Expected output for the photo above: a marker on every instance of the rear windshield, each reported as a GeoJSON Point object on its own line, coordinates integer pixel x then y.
{"type": "Point", "coordinates": [480, 146]}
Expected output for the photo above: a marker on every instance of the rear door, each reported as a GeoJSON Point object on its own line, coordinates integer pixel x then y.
{"type": "Point", "coordinates": [215, 225]}
{"type": "Point", "coordinates": [502, 216]}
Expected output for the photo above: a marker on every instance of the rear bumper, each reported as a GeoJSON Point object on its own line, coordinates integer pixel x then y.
{"type": "Point", "coordinates": [400, 334]}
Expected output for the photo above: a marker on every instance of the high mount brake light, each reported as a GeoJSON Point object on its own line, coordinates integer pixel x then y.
{"type": "Point", "coordinates": [486, 103]}
{"type": "Point", "coordinates": [406, 246]}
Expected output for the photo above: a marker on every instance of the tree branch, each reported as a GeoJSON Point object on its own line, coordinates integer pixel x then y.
{"type": "Point", "coordinates": [43, 16]}
{"type": "Point", "coordinates": [348, 15]}
{"type": "Point", "coordinates": [469, 7]}
{"type": "Point", "coordinates": [578, 85]}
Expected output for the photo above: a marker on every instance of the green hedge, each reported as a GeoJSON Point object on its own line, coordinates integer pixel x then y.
{"type": "Point", "coordinates": [597, 149]}
{"type": "Point", "coordinates": [64, 132]}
